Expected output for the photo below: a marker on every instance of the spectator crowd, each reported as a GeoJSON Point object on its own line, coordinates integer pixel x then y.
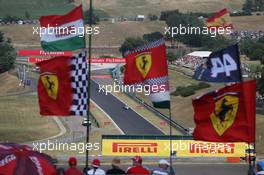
{"type": "Point", "coordinates": [247, 34]}
{"type": "Point", "coordinates": [189, 61]}
{"type": "Point", "coordinates": [137, 168]}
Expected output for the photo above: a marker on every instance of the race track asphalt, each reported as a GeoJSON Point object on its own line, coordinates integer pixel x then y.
{"type": "Point", "coordinates": [127, 120]}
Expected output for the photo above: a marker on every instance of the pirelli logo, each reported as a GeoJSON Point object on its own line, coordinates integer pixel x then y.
{"type": "Point", "coordinates": [119, 147]}
{"type": "Point", "coordinates": [214, 148]}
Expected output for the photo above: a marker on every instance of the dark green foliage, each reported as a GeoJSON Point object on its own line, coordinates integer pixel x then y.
{"type": "Point", "coordinates": [171, 56]}
{"type": "Point", "coordinates": [152, 36]}
{"type": "Point", "coordinates": [122, 69]}
{"type": "Point", "coordinates": [87, 20]}
{"type": "Point", "coordinates": [253, 5]}
{"type": "Point", "coordinates": [9, 18]}
{"type": "Point", "coordinates": [7, 54]}
{"type": "Point", "coordinates": [189, 90]}
{"type": "Point", "coordinates": [203, 85]}
{"type": "Point", "coordinates": [27, 15]}
{"type": "Point", "coordinates": [97, 14]}
{"type": "Point", "coordinates": [153, 17]}
{"type": "Point", "coordinates": [130, 44]}
{"type": "Point", "coordinates": [165, 14]}
{"type": "Point", "coordinates": [183, 91]}
{"type": "Point", "coordinates": [243, 13]}
{"type": "Point", "coordinates": [217, 43]}
{"type": "Point", "coordinates": [253, 49]}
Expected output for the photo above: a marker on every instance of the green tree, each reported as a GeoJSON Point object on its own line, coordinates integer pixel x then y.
{"type": "Point", "coordinates": [260, 5]}
{"type": "Point", "coordinates": [216, 43]}
{"type": "Point", "coordinates": [253, 5]}
{"type": "Point", "coordinates": [171, 57]}
{"type": "Point", "coordinates": [153, 17]}
{"type": "Point", "coordinates": [130, 44]}
{"type": "Point", "coordinates": [7, 54]}
{"type": "Point", "coordinates": [253, 49]}
{"type": "Point", "coordinates": [152, 36]}
{"type": "Point", "coordinates": [248, 6]}
{"type": "Point", "coordinates": [95, 19]}
{"type": "Point", "coordinates": [257, 54]}
{"type": "Point", "coordinates": [165, 14]}
{"type": "Point", "coordinates": [27, 15]}
{"type": "Point", "coordinates": [9, 18]}
{"type": "Point", "coordinates": [261, 40]}
{"type": "Point", "coordinates": [246, 46]}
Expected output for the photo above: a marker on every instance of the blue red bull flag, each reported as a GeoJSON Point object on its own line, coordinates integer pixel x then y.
{"type": "Point", "coordinates": [221, 66]}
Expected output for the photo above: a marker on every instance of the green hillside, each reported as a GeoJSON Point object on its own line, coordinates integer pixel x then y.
{"type": "Point", "coordinates": [144, 7]}
{"type": "Point", "coordinates": [118, 8]}
{"type": "Point", "coordinates": [35, 8]}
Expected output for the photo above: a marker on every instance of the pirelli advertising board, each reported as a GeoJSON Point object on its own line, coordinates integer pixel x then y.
{"type": "Point", "coordinates": [182, 148]}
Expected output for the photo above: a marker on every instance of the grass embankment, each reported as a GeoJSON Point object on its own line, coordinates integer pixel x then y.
{"type": "Point", "coordinates": [20, 120]}
{"type": "Point", "coordinates": [10, 84]}
{"type": "Point", "coordinates": [34, 8]}
{"type": "Point", "coordinates": [144, 7]}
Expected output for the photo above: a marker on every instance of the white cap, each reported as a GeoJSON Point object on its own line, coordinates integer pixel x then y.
{"type": "Point", "coordinates": [163, 162]}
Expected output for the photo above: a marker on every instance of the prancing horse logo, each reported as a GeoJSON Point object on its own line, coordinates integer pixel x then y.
{"type": "Point", "coordinates": [143, 63]}
{"type": "Point", "coordinates": [225, 113]}
{"type": "Point", "coordinates": [51, 84]}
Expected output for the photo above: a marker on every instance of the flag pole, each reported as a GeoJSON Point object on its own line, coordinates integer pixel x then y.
{"type": "Point", "coordinates": [89, 84]}
{"type": "Point", "coordinates": [170, 132]}
{"type": "Point", "coordinates": [250, 168]}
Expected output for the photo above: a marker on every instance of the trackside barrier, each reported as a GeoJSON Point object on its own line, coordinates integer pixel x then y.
{"type": "Point", "coordinates": [93, 120]}
{"type": "Point", "coordinates": [233, 159]}
{"type": "Point", "coordinates": [159, 146]}
{"type": "Point", "coordinates": [177, 126]}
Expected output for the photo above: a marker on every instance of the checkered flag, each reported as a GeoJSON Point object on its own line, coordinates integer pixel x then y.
{"type": "Point", "coordinates": [79, 84]}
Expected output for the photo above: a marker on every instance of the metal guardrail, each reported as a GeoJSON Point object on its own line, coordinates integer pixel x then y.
{"type": "Point", "coordinates": [145, 137]}
{"type": "Point", "coordinates": [93, 120]}
{"type": "Point", "coordinates": [158, 113]}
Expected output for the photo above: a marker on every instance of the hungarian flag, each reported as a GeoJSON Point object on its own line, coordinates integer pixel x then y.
{"type": "Point", "coordinates": [227, 115]}
{"type": "Point", "coordinates": [220, 19]}
{"type": "Point", "coordinates": [62, 86]}
{"type": "Point", "coordinates": [147, 65]}
{"type": "Point", "coordinates": [60, 33]}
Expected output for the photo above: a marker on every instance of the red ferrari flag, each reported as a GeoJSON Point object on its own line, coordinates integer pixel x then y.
{"type": "Point", "coordinates": [62, 86]}
{"type": "Point", "coordinates": [146, 62]}
{"type": "Point", "coordinates": [227, 115]}
{"type": "Point", "coordinates": [147, 65]}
